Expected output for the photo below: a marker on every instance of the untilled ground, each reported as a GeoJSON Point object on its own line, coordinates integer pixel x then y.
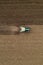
{"type": "Point", "coordinates": [23, 49]}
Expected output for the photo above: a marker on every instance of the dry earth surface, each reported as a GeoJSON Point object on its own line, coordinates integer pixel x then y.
{"type": "Point", "coordinates": [23, 49]}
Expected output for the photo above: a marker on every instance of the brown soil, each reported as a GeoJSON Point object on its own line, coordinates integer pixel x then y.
{"type": "Point", "coordinates": [25, 48]}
